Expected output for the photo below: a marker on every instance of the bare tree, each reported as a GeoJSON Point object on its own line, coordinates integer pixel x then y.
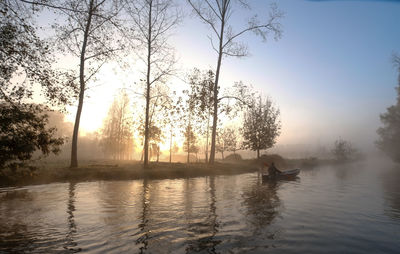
{"type": "Point", "coordinates": [117, 134]}
{"type": "Point", "coordinates": [217, 15]}
{"type": "Point", "coordinates": [154, 20]}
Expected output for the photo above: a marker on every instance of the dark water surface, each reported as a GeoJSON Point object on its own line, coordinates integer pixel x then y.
{"type": "Point", "coordinates": [330, 209]}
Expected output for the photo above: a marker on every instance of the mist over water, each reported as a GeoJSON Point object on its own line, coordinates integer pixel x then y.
{"type": "Point", "coordinates": [329, 209]}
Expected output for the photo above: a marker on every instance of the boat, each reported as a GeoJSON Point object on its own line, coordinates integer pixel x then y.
{"type": "Point", "coordinates": [287, 174]}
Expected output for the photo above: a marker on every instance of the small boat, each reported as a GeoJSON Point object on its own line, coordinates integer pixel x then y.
{"type": "Point", "coordinates": [287, 174]}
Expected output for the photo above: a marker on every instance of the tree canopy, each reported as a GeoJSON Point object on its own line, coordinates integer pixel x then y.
{"type": "Point", "coordinates": [261, 125]}
{"type": "Point", "coordinates": [23, 130]}
{"type": "Point", "coordinates": [389, 141]}
{"type": "Point", "coordinates": [25, 66]}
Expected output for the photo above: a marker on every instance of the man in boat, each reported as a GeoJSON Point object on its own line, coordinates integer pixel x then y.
{"type": "Point", "coordinates": [273, 171]}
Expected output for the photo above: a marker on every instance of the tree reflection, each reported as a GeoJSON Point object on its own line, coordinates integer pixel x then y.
{"type": "Point", "coordinates": [345, 171]}
{"type": "Point", "coordinates": [262, 203]}
{"type": "Point", "coordinates": [143, 239]}
{"type": "Point", "coordinates": [205, 230]}
{"type": "Point", "coordinates": [15, 237]}
{"type": "Point", "coordinates": [70, 243]}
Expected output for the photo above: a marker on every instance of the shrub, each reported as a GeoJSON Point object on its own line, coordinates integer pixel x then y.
{"type": "Point", "coordinates": [233, 157]}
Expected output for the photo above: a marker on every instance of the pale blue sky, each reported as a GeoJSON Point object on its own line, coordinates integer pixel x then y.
{"type": "Point", "coordinates": [331, 72]}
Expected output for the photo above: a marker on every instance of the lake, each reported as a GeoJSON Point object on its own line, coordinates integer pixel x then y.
{"type": "Point", "coordinates": [351, 208]}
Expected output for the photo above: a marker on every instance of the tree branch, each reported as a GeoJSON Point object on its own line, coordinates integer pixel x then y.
{"type": "Point", "coordinates": [209, 22]}
{"type": "Point", "coordinates": [267, 26]}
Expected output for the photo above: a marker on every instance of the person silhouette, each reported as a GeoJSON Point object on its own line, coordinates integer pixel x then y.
{"type": "Point", "coordinates": [272, 170]}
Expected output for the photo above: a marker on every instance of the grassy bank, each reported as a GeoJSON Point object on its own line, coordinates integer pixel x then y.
{"type": "Point", "coordinates": [120, 171]}
{"type": "Point", "coordinates": [49, 172]}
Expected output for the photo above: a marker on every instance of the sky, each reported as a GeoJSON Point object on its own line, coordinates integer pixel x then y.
{"type": "Point", "coordinates": [330, 74]}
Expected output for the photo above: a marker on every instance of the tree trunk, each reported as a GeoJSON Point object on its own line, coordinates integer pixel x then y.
{"type": "Point", "coordinates": [208, 132]}
{"type": "Point", "coordinates": [258, 153]}
{"type": "Point", "coordinates": [170, 148]}
{"type": "Point", "coordinates": [146, 125]}
{"type": "Point", "coordinates": [158, 153]}
{"type": "Point", "coordinates": [146, 130]}
{"type": "Point", "coordinates": [215, 113]}
{"type": "Point", "coordinates": [188, 150]}
{"type": "Point", "coordinates": [74, 149]}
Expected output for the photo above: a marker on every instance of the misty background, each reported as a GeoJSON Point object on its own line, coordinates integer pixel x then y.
{"type": "Point", "coordinates": [330, 74]}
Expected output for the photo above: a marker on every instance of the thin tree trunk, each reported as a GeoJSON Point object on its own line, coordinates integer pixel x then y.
{"type": "Point", "coordinates": [208, 132]}
{"type": "Point", "coordinates": [146, 126]}
{"type": "Point", "coordinates": [189, 134]}
{"type": "Point", "coordinates": [170, 148]}
{"type": "Point", "coordinates": [188, 146]}
{"type": "Point", "coordinates": [120, 123]}
{"type": "Point", "coordinates": [215, 113]}
{"type": "Point", "coordinates": [74, 149]}
{"type": "Point", "coordinates": [258, 153]}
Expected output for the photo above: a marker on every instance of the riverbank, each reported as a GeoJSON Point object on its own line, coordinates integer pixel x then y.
{"type": "Point", "coordinates": [121, 171]}
{"type": "Point", "coordinates": [49, 172]}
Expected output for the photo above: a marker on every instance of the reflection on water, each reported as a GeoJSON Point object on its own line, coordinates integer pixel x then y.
{"type": "Point", "coordinates": [333, 209]}
{"type": "Point", "coordinates": [202, 226]}
{"type": "Point", "coordinates": [70, 243]}
{"type": "Point", "coordinates": [262, 203]}
{"type": "Point", "coordinates": [142, 240]}
{"type": "Point", "coordinates": [391, 186]}
{"type": "Point", "coordinates": [33, 219]}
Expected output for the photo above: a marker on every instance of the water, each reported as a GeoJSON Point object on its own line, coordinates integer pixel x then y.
{"type": "Point", "coordinates": [341, 209]}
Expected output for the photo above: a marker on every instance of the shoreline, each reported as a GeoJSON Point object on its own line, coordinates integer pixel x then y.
{"type": "Point", "coordinates": [125, 171]}
{"type": "Point", "coordinates": [106, 170]}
